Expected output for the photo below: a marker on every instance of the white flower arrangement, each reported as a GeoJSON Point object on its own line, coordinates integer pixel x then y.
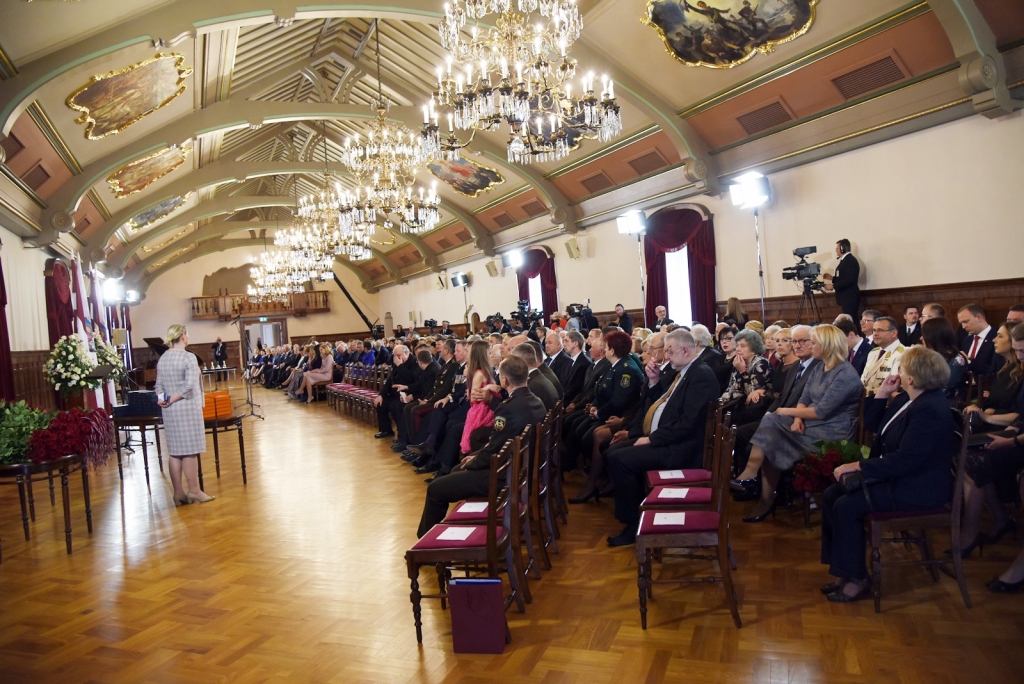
{"type": "Point", "coordinates": [68, 366]}
{"type": "Point", "coordinates": [106, 354]}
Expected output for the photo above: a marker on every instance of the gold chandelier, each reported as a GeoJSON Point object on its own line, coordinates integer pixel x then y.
{"type": "Point", "coordinates": [270, 278]}
{"type": "Point", "coordinates": [519, 71]}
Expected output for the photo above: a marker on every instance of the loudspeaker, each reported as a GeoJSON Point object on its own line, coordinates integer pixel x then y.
{"type": "Point", "coordinates": [492, 269]}
{"type": "Point", "coordinates": [120, 337]}
{"type": "Point", "coordinates": [506, 260]}
{"type": "Point", "coordinates": [573, 248]}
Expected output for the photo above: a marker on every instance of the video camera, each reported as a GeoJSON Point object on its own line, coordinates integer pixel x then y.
{"type": "Point", "coordinates": [805, 271]}
{"type": "Point", "coordinates": [574, 310]}
{"type": "Point", "coordinates": [378, 332]}
{"type": "Point", "coordinates": [494, 317]}
{"type": "Point", "coordinates": [524, 316]}
{"type": "Point", "coordinates": [430, 323]}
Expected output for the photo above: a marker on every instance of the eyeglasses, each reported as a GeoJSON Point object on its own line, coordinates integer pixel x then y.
{"type": "Point", "coordinates": [806, 340]}
{"type": "Point", "coordinates": [882, 330]}
{"type": "Point", "coordinates": [728, 338]}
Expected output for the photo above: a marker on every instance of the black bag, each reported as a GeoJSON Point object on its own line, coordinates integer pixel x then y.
{"type": "Point", "coordinates": [976, 422]}
{"type": "Point", "coordinates": [854, 481]}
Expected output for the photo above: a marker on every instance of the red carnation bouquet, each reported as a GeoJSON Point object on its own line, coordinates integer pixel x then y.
{"type": "Point", "coordinates": [814, 473]}
{"type": "Point", "coordinates": [90, 433]}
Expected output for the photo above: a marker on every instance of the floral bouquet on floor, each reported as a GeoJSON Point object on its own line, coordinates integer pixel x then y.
{"type": "Point", "coordinates": [107, 355]}
{"type": "Point", "coordinates": [813, 475]}
{"type": "Point", "coordinates": [68, 366]}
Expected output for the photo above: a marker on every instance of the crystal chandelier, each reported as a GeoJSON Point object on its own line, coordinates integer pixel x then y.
{"type": "Point", "coordinates": [518, 71]}
{"type": "Point", "coordinates": [269, 278]}
{"type": "Point", "coordinates": [384, 165]}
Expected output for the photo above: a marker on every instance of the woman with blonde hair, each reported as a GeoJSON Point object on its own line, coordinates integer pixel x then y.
{"type": "Point", "coordinates": [180, 396]}
{"type": "Point", "coordinates": [827, 410]}
{"type": "Point", "coordinates": [311, 377]}
{"type": "Point", "coordinates": [734, 310]}
{"type": "Point", "coordinates": [769, 344]}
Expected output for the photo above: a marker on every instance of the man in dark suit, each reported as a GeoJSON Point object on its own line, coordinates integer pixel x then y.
{"type": "Point", "coordinates": [910, 331]}
{"type": "Point", "coordinates": [978, 343]}
{"type": "Point", "coordinates": [579, 364]}
{"type": "Point", "coordinates": [430, 373]}
{"type": "Point", "coordinates": [663, 319]}
{"type": "Point", "coordinates": [220, 357]}
{"type": "Point", "coordinates": [624, 320]}
{"type": "Point", "coordinates": [469, 478]}
{"type": "Point", "coordinates": [558, 361]}
{"type": "Point", "coordinates": [844, 282]}
{"type": "Point", "coordinates": [668, 431]}
{"type": "Point", "coordinates": [389, 405]}
{"type": "Point", "coordinates": [442, 387]}
{"type": "Point", "coordinates": [858, 347]}
{"type": "Point", "coordinates": [538, 384]}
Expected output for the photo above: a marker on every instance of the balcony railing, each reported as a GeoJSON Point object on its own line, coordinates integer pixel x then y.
{"type": "Point", "coordinates": [226, 307]}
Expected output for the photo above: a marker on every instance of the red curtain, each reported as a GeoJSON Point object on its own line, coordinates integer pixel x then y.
{"type": "Point", "coordinates": [669, 230]}
{"type": "Point", "coordinates": [60, 316]}
{"type": "Point", "coordinates": [536, 262]}
{"type": "Point", "coordinates": [6, 365]}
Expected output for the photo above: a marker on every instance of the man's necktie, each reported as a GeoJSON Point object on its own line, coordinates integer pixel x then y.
{"type": "Point", "coordinates": [851, 357]}
{"type": "Point", "coordinates": [649, 417]}
{"type": "Point", "coordinates": [974, 348]}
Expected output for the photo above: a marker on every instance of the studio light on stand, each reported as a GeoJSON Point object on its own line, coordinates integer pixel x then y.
{"type": "Point", "coordinates": [635, 223]}
{"type": "Point", "coordinates": [750, 191]}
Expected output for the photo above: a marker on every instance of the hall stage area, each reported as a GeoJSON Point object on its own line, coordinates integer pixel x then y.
{"type": "Point", "coordinates": [299, 576]}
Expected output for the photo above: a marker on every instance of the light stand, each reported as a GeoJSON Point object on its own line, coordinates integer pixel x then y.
{"type": "Point", "coordinates": [750, 191]}
{"type": "Point", "coordinates": [246, 355]}
{"type": "Point", "coordinates": [760, 266]}
{"type": "Point", "coordinates": [635, 223]}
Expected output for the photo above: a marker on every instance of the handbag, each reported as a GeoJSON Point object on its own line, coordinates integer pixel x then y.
{"type": "Point", "coordinates": [853, 482]}
{"type": "Point", "coordinates": [976, 422]}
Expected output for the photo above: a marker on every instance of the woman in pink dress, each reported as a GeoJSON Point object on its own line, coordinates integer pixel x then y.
{"type": "Point", "coordinates": [478, 374]}
{"type": "Point", "coordinates": [324, 372]}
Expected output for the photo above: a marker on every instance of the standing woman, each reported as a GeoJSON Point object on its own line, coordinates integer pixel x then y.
{"type": "Point", "coordinates": [734, 310]}
{"type": "Point", "coordinates": [181, 398]}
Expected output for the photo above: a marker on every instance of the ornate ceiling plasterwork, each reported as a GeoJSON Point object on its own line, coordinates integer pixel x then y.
{"type": "Point", "coordinates": [113, 101]}
{"type": "Point", "coordinates": [139, 174]}
{"type": "Point", "coordinates": [465, 176]}
{"type": "Point", "coordinates": [147, 218]}
{"type": "Point", "coordinates": [149, 249]}
{"type": "Point", "coordinates": [725, 33]}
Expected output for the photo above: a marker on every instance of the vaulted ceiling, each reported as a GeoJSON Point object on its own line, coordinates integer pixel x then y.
{"type": "Point", "coordinates": [261, 96]}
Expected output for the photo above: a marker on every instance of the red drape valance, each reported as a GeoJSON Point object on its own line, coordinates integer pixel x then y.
{"type": "Point", "coordinates": [537, 262]}
{"type": "Point", "coordinates": [60, 315]}
{"type": "Point", "coordinates": [6, 364]}
{"type": "Point", "coordinates": [669, 230]}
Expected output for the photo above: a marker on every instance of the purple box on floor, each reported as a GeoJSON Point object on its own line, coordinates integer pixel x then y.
{"type": "Point", "coordinates": [478, 615]}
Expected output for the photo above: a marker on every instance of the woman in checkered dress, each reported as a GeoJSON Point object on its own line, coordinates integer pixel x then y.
{"type": "Point", "coordinates": [181, 398]}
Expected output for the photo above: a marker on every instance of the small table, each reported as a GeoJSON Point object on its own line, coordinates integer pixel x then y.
{"type": "Point", "coordinates": [209, 372]}
{"type": "Point", "coordinates": [22, 474]}
{"type": "Point", "coordinates": [140, 422]}
{"type": "Point", "coordinates": [224, 424]}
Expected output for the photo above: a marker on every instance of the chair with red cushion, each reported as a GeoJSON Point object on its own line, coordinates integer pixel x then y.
{"type": "Point", "coordinates": [488, 548]}
{"type": "Point", "coordinates": [557, 476]}
{"type": "Point", "coordinates": [542, 512]}
{"type": "Point", "coordinates": [700, 477]}
{"type": "Point", "coordinates": [678, 528]}
{"type": "Point", "coordinates": [893, 526]}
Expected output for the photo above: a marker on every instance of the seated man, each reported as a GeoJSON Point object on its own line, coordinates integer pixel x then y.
{"type": "Point", "coordinates": [662, 319]}
{"type": "Point", "coordinates": [858, 347]}
{"type": "Point", "coordinates": [579, 364]}
{"type": "Point", "coordinates": [447, 410]}
{"type": "Point", "coordinates": [539, 385]}
{"type": "Point", "coordinates": [470, 477]}
{"type": "Point", "coordinates": [978, 344]}
{"type": "Point", "coordinates": [932, 310]}
{"type": "Point", "coordinates": [867, 321]}
{"type": "Point", "coordinates": [442, 387]}
{"type": "Point", "coordinates": [557, 360]}
{"type": "Point", "coordinates": [667, 432]}
{"type": "Point", "coordinates": [1016, 314]}
{"type": "Point", "coordinates": [422, 387]}
{"type": "Point", "coordinates": [885, 360]}
{"type": "Point", "coordinates": [910, 333]}
{"type": "Point", "coordinates": [388, 402]}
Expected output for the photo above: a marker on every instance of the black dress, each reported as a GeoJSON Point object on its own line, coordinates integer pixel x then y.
{"type": "Point", "coordinates": [1002, 394]}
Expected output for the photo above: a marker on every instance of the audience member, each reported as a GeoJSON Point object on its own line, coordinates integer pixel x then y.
{"type": "Point", "coordinates": [579, 364]}
{"type": "Point", "coordinates": [981, 356]}
{"type": "Point", "coordinates": [544, 370]}
{"type": "Point", "coordinates": [783, 344]}
{"type": "Point", "coordinates": [932, 310]}
{"type": "Point", "coordinates": [310, 378]}
{"type": "Point", "coordinates": [388, 403]}
{"type": "Point", "coordinates": [867, 321]}
{"type": "Point", "coordinates": [937, 334]}
{"type": "Point", "coordinates": [1016, 314]}
{"type": "Point", "coordinates": [623, 320]}
{"type": "Point", "coordinates": [706, 352]}
{"type": "Point", "coordinates": [885, 359]}
{"type": "Point", "coordinates": [662, 319]}
{"type": "Point", "coordinates": [827, 410]}
{"type": "Point", "coordinates": [557, 360]}
{"type": "Point", "coordinates": [910, 331]}
{"type": "Point", "coordinates": [539, 385]}
{"type": "Point", "coordinates": [416, 394]}
{"type": "Point", "coordinates": [858, 347]}
{"type": "Point", "coordinates": [750, 382]}
{"type": "Point", "coordinates": [478, 377]}
{"type": "Point", "coordinates": [998, 409]}
{"type": "Point", "coordinates": [908, 469]}
{"type": "Point", "coordinates": [727, 345]}
{"type": "Point", "coordinates": [769, 344]}
{"type": "Point", "coordinates": [734, 310]}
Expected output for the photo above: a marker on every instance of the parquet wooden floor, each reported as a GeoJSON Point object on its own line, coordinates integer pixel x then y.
{"type": "Point", "coordinates": [299, 577]}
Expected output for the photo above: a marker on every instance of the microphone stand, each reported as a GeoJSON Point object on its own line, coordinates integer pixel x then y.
{"type": "Point", "coordinates": [246, 350]}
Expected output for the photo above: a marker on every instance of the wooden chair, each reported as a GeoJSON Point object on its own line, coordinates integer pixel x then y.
{"type": "Point", "coordinates": [714, 423]}
{"type": "Point", "coordinates": [488, 548]}
{"type": "Point", "coordinates": [542, 515]}
{"type": "Point", "coordinates": [557, 476]}
{"type": "Point", "coordinates": [893, 526]}
{"type": "Point", "coordinates": [699, 530]}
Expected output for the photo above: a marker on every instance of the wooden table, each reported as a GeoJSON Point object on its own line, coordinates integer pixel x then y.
{"type": "Point", "coordinates": [22, 473]}
{"type": "Point", "coordinates": [140, 422]}
{"type": "Point", "coordinates": [215, 426]}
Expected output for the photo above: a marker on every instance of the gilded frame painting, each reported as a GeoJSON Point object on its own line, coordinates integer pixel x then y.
{"type": "Point", "coordinates": [112, 102]}
{"type": "Point", "coordinates": [139, 174]}
{"type": "Point", "coordinates": [465, 176]}
{"type": "Point", "coordinates": [722, 34]}
{"type": "Point", "coordinates": [145, 219]}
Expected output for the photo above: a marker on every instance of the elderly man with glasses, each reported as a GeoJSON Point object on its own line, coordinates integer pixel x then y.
{"type": "Point", "coordinates": [885, 360]}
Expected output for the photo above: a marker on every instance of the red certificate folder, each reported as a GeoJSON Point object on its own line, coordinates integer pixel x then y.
{"type": "Point", "coordinates": [478, 615]}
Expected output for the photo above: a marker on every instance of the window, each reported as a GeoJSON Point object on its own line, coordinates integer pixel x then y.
{"type": "Point", "coordinates": [677, 276]}
{"type": "Point", "coordinates": [536, 294]}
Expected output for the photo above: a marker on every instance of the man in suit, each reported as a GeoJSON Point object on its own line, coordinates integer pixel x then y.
{"type": "Point", "coordinates": [978, 342]}
{"type": "Point", "coordinates": [910, 331]}
{"type": "Point", "coordinates": [448, 411]}
{"type": "Point", "coordinates": [538, 384]}
{"type": "Point", "coordinates": [1015, 314]}
{"type": "Point", "coordinates": [470, 477]}
{"type": "Point", "coordinates": [858, 348]}
{"type": "Point", "coordinates": [706, 352]}
{"type": "Point", "coordinates": [442, 388]}
{"type": "Point", "coordinates": [667, 432]}
{"type": "Point", "coordinates": [220, 357]}
{"type": "Point", "coordinates": [415, 395]}
{"type": "Point", "coordinates": [624, 320]}
{"type": "Point", "coordinates": [558, 361]}
{"type": "Point", "coordinates": [663, 319]}
{"type": "Point", "coordinates": [579, 364]}
{"type": "Point", "coordinates": [388, 402]}
{"type": "Point", "coordinates": [844, 282]}
{"type": "Point", "coordinates": [446, 329]}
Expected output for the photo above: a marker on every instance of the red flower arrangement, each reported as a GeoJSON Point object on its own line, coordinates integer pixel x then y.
{"type": "Point", "coordinates": [814, 473]}
{"type": "Point", "coordinates": [75, 432]}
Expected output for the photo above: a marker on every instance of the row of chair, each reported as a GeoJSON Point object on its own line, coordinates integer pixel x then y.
{"type": "Point", "coordinates": [524, 505]}
{"type": "Point", "coordinates": [355, 393]}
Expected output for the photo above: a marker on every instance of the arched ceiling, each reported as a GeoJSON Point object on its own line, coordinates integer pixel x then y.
{"type": "Point", "coordinates": [270, 91]}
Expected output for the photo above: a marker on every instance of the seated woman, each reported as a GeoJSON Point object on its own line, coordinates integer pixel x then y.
{"type": "Point", "coordinates": [999, 406]}
{"type": "Point", "coordinates": [309, 361]}
{"type": "Point", "coordinates": [769, 344]}
{"type": "Point", "coordinates": [723, 363]}
{"type": "Point", "coordinates": [787, 357]}
{"type": "Point", "coordinates": [908, 469]}
{"type": "Point", "coordinates": [479, 374]}
{"type": "Point", "coordinates": [992, 473]}
{"type": "Point", "coordinates": [827, 410]}
{"type": "Point", "coordinates": [750, 382]}
{"type": "Point", "coordinates": [324, 373]}
{"type": "Point", "coordinates": [937, 334]}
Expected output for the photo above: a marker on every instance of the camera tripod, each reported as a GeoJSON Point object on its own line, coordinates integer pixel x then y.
{"type": "Point", "coordinates": [807, 301]}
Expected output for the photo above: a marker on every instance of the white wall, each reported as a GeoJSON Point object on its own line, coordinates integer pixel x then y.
{"type": "Point", "coordinates": [168, 301]}
{"type": "Point", "coordinates": [26, 294]}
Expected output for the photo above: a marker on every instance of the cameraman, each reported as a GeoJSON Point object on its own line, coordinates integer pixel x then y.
{"type": "Point", "coordinates": [844, 282]}
{"type": "Point", "coordinates": [498, 325]}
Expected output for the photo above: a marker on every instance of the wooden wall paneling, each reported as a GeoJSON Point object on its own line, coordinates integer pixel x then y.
{"type": "Point", "coordinates": [29, 382]}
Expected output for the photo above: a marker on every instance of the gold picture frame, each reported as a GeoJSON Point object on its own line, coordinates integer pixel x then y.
{"type": "Point", "coordinates": [704, 33]}
{"type": "Point", "coordinates": [112, 102]}
{"type": "Point", "coordinates": [139, 174]}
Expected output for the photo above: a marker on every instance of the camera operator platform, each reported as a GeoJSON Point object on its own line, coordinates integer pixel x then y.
{"type": "Point", "coordinates": [807, 273]}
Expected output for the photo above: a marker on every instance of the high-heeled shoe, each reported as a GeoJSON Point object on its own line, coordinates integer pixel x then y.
{"type": "Point", "coordinates": [978, 543]}
{"type": "Point", "coordinates": [192, 498]}
{"type": "Point", "coordinates": [1010, 526]}
{"type": "Point", "coordinates": [594, 494]}
{"type": "Point", "coordinates": [763, 516]}
{"type": "Point", "coordinates": [181, 502]}
{"type": "Point", "coordinates": [1000, 587]}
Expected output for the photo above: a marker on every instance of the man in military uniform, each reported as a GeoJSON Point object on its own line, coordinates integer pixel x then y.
{"type": "Point", "coordinates": [885, 359]}
{"type": "Point", "coordinates": [470, 477]}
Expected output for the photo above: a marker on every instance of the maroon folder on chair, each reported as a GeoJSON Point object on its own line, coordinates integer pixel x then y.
{"type": "Point", "coordinates": [478, 615]}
